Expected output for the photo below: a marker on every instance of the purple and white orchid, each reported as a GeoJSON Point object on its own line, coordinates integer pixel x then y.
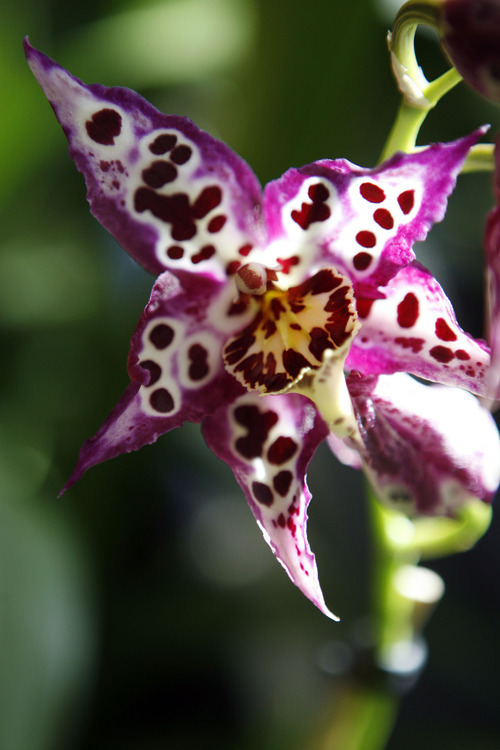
{"type": "Point", "coordinates": [264, 300]}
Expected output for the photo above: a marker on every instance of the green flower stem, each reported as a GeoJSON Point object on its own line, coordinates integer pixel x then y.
{"type": "Point", "coordinates": [409, 16]}
{"type": "Point", "coordinates": [404, 132]}
{"type": "Point", "coordinates": [404, 594]}
{"type": "Point", "coordinates": [480, 158]}
{"type": "Point", "coordinates": [392, 612]}
{"type": "Point", "coordinates": [399, 543]}
{"type": "Point", "coordinates": [363, 719]}
{"type": "Point", "coordinates": [419, 95]}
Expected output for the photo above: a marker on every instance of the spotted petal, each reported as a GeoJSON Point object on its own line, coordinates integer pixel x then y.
{"type": "Point", "coordinates": [426, 448]}
{"type": "Point", "coordinates": [173, 196]}
{"type": "Point", "coordinates": [362, 221]}
{"type": "Point", "coordinates": [268, 442]}
{"type": "Point", "coordinates": [414, 329]}
{"type": "Point", "coordinates": [175, 367]}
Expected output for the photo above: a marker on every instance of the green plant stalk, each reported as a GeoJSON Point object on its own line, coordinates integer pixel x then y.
{"type": "Point", "coordinates": [364, 718]}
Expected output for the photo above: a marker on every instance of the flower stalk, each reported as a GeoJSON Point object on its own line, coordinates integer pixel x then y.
{"type": "Point", "coordinates": [419, 95]}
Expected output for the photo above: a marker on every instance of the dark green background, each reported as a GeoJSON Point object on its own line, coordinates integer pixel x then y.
{"type": "Point", "coordinates": [143, 611]}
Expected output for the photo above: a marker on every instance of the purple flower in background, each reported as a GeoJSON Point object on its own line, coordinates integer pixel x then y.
{"type": "Point", "coordinates": [492, 247]}
{"type": "Point", "coordinates": [263, 300]}
{"type": "Point", "coordinates": [470, 30]}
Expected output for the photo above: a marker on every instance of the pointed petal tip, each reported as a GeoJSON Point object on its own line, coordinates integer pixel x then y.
{"type": "Point", "coordinates": [330, 615]}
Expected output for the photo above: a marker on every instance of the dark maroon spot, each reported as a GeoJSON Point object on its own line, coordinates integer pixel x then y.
{"type": "Point", "coordinates": [161, 400]}
{"type": "Point", "coordinates": [372, 193]}
{"type": "Point", "coordinates": [366, 239]}
{"type": "Point", "coordinates": [320, 341]}
{"type": "Point", "coordinates": [384, 219]}
{"type": "Point", "coordinates": [462, 354]}
{"type": "Point", "coordinates": [181, 154]}
{"type": "Point", "coordinates": [159, 174]}
{"type": "Point", "coordinates": [281, 450]}
{"type": "Point", "coordinates": [232, 267]}
{"type": "Point", "coordinates": [322, 282]}
{"type": "Point", "coordinates": [270, 329]}
{"type": "Point", "coordinates": [105, 165]}
{"type": "Point", "coordinates": [281, 521]}
{"type": "Point", "coordinates": [238, 347]}
{"type": "Point", "coordinates": [208, 199]}
{"type": "Point", "coordinates": [295, 326]}
{"type": "Point", "coordinates": [154, 370]}
{"type": "Point", "coordinates": [175, 252]}
{"type": "Point", "coordinates": [172, 209]}
{"type": "Point", "coordinates": [258, 425]}
{"type": "Point", "coordinates": [245, 249]}
{"type": "Point", "coordinates": [270, 365]}
{"type": "Point", "coordinates": [275, 382]}
{"type": "Point", "coordinates": [361, 261]}
{"type": "Point", "coordinates": [340, 317]}
{"type": "Point", "coordinates": [410, 342]}
{"type": "Point", "coordinates": [442, 354]}
{"type": "Point", "coordinates": [443, 331]}
{"type": "Point", "coordinates": [198, 368]}
{"type": "Point", "coordinates": [161, 336]}
{"type": "Point", "coordinates": [236, 308]}
{"type": "Point", "coordinates": [408, 311]}
{"type": "Point", "coordinates": [104, 126]}
{"type": "Point", "coordinates": [318, 193]}
{"type": "Point", "coordinates": [216, 224]}
{"type": "Point", "coordinates": [310, 213]}
{"type": "Point", "coordinates": [296, 306]}
{"type": "Point", "coordinates": [252, 368]}
{"type": "Point", "coordinates": [406, 201]}
{"type": "Point", "coordinates": [205, 253]}
{"type": "Point", "coordinates": [162, 144]}
{"type": "Point", "coordinates": [277, 307]}
{"type": "Point", "coordinates": [294, 362]}
{"type": "Point", "coordinates": [364, 306]}
{"type": "Point", "coordinates": [263, 494]}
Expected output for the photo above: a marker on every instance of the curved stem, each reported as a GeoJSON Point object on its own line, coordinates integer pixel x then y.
{"type": "Point", "coordinates": [409, 16]}
{"type": "Point", "coordinates": [419, 95]}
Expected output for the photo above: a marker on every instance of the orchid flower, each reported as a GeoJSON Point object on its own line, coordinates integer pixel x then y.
{"type": "Point", "coordinates": [264, 300]}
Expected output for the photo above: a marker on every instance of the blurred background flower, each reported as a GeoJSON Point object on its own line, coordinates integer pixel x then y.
{"type": "Point", "coordinates": [142, 611]}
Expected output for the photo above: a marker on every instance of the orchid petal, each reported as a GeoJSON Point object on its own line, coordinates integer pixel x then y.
{"type": "Point", "coordinates": [427, 449]}
{"type": "Point", "coordinates": [175, 367]}
{"type": "Point", "coordinates": [268, 442]}
{"type": "Point", "coordinates": [414, 329]}
{"type": "Point", "coordinates": [363, 221]}
{"type": "Point", "coordinates": [174, 197]}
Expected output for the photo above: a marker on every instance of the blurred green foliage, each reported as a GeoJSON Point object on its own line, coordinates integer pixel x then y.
{"type": "Point", "coordinates": [129, 616]}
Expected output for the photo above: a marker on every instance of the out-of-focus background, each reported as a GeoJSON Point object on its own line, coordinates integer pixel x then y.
{"type": "Point", "coordinates": [142, 610]}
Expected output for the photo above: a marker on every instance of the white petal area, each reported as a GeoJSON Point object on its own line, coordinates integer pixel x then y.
{"type": "Point", "coordinates": [447, 444]}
